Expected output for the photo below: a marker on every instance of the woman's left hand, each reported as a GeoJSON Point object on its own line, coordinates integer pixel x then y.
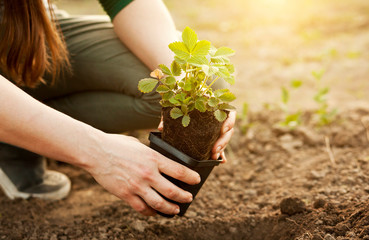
{"type": "Point", "coordinates": [226, 133]}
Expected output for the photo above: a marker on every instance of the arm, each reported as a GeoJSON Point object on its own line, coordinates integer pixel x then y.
{"type": "Point", "coordinates": [111, 159]}
{"type": "Point", "coordinates": [146, 28]}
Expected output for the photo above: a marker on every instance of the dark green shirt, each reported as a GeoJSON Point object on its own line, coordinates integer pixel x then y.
{"type": "Point", "coordinates": [113, 7]}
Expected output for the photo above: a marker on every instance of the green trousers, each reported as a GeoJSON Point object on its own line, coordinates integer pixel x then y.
{"type": "Point", "coordinates": [102, 89]}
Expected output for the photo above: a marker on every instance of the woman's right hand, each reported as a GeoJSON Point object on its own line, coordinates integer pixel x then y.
{"type": "Point", "coordinates": [131, 171]}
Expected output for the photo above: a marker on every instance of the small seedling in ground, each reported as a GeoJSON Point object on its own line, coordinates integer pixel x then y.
{"type": "Point", "coordinates": [245, 123]}
{"type": "Point", "coordinates": [291, 119]}
{"type": "Point", "coordinates": [324, 114]}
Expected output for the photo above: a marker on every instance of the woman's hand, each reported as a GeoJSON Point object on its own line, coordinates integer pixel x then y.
{"type": "Point", "coordinates": [225, 136]}
{"type": "Point", "coordinates": [226, 133]}
{"type": "Point", "coordinates": [131, 171]}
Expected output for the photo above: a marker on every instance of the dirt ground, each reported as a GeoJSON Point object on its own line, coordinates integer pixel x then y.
{"type": "Point", "coordinates": [307, 183]}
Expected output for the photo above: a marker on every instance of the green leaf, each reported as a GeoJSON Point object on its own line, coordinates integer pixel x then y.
{"type": "Point", "coordinates": [209, 70]}
{"type": "Point", "coordinates": [220, 60]}
{"type": "Point", "coordinates": [200, 105]}
{"type": "Point", "coordinates": [226, 106]}
{"type": "Point", "coordinates": [198, 61]}
{"type": "Point", "coordinates": [180, 50]}
{"type": "Point", "coordinates": [147, 84]}
{"type": "Point", "coordinates": [174, 101]}
{"type": "Point", "coordinates": [296, 83]}
{"type": "Point", "coordinates": [180, 61]}
{"type": "Point", "coordinates": [180, 96]}
{"type": "Point", "coordinates": [184, 109]}
{"type": "Point", "coordinates": [201, 49]}
{"type": "Point", "coordinates": [230, 68]}
{"type": "Point", "coordinates": [168, 95]}
{"type": "Point", "coordinates": [318, 74]}
{"type": "Point", "coordinates": [186, 120]}
{"type": "Point", "coordinates": [220, 115]}
{"type": "Point", "coordinates": [176, 68]}
{"type": "Point", "coordinates": [165, 69]}
{"type": "Point", "coordinates": [187, 100]}
{"type": "Point", "coordinates": [220, 92]}
{"type": "Point", "coordinates": [213, 102]}
{"type": "Point", "coordinates": [165, 103]}
{"type": "Point", "coordinates": [189, 38]}
{"type": "Point", "coordinates": [188, 86]}
{"type": "Point", "coordinates": [176, 113]}
{"type": "Point", "coordinates": [224, 51]}
{"type": "Point", "coordinates": [169, 81]}
{"type": "Point", "coordinates": [162, 89]}
{"type": "Point", "coordinates": [285, 95]}
{"type": "Point", "coordinates": [223, 72]}
{"type": "Point", "coordinates": [230, 80]}
{"type": "Point", "coordinates": [227, 97]}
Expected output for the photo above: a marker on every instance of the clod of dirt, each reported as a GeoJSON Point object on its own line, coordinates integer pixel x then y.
{"type": "Point", "coordinates": [319, 203]}
{"type": "Point", "coordinates": [291, 206]}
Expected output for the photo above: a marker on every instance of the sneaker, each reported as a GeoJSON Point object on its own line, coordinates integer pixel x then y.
{"type": "Point", "coordinates": [23, 174]}
{"type": "Point", "coordinates": [54, 186]}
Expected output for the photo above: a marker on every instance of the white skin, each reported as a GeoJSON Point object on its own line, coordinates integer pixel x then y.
{"type": "Point", "coordinates": [112, 159]}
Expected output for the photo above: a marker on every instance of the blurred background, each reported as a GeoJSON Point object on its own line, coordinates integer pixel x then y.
{"type": "Point", "coordinates": [315, 43]}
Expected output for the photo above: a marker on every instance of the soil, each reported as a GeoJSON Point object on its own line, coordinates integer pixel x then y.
{"type": "Point", "coordinates": [277, 184]}
{"type": "Point", "coordinates": [197, 139]}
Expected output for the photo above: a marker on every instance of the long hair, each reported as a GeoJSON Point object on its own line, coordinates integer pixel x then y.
{"type": "Point", "coordinates": [30, 43]}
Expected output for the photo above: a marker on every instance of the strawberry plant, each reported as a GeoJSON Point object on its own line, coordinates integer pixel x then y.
{"type": "Point", "coordinates": [186, 85]}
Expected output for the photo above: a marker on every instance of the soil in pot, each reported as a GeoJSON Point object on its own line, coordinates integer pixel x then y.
{"type": "Point", "coordinates": [198, 138]}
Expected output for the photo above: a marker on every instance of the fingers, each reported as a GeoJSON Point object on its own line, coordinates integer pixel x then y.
{"type": "Point", "coordinates": [155, 201]}
{"type": "Point", "coordinates": [171, 191]}
{"type": "Point", "coordinates": [161, 125]}
{"type": "Point", "coordinates": [229, 122]}
{"type": "Point", "coordinates": [221, 143]}
{"type": "Point", "coordinates": [140, 206]}
{"type": "Point", "coordinates": [178, 171]}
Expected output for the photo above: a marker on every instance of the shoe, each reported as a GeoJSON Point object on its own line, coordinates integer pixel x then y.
{"type": "Point", "coordinates": [54, 186]}
{"type": "Point", "coordinates": [23, 174]}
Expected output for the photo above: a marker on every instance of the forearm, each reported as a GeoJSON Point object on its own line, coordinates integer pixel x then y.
{"type": "Point", "coordinates": [146, 28]}
{"type": "Point", "coordinates": [29, 124]}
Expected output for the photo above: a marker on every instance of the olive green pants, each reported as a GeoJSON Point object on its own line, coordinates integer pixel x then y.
{"type": "Point", "coordinates": [101, 89]}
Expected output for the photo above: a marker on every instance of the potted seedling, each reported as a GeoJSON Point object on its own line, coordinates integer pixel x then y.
{"type": "Point", "coordinates": [192, 111]}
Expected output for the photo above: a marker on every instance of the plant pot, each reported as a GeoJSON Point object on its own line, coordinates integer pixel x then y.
{"type": "Point", "coordinates": [202, 167]}
{"type": "Point", "coordinates": [198, 138]}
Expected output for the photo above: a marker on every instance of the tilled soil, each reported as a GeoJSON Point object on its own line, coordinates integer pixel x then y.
{"type": "Point", "coordinates": [278, 184]}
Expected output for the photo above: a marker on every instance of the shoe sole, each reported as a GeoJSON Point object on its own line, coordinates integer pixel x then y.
{"type": "Point", "coordinates": [12, 192]}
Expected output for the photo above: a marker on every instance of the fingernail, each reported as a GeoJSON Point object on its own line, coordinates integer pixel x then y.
{"type": "Point", "coordinates": [217, 156]}
{"type": "Point", "coordinates": [198, 178]}
{"type": "Point", "coordinates": [190, 198]}
{"type": "Point", "coordinates": [176, 211]}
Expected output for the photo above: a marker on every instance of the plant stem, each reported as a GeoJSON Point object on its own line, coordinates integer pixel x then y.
{"type": "Point", "coordinates": [211, 83]}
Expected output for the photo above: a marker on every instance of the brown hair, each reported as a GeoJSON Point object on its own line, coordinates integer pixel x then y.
{"type": "Point", "coordinates": [30, 43]}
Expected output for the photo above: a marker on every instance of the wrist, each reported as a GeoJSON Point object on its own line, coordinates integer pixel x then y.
{"type": "Point", "coordinates": [87, 150]}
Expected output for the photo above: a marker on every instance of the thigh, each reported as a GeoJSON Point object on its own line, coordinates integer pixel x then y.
{"type": "Point", "coordinates": [100, 61]}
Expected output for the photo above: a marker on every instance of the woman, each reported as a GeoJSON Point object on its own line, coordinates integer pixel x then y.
{"type": "Point", "coordinates": [72, 115]}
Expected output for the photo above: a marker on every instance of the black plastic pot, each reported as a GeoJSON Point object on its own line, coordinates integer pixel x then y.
{"type": "Point", "coordinates": [202, 167]}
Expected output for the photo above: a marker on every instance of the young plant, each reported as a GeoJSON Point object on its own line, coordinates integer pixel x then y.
{"type": "Point", "coordinates": [324, 115]}
{"type": "Point", "coordinates": [293, 119]}
{"type": "Point", "coordinates": [243, 117]}
{"type": "Point", "coordinates": [187, 84]}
